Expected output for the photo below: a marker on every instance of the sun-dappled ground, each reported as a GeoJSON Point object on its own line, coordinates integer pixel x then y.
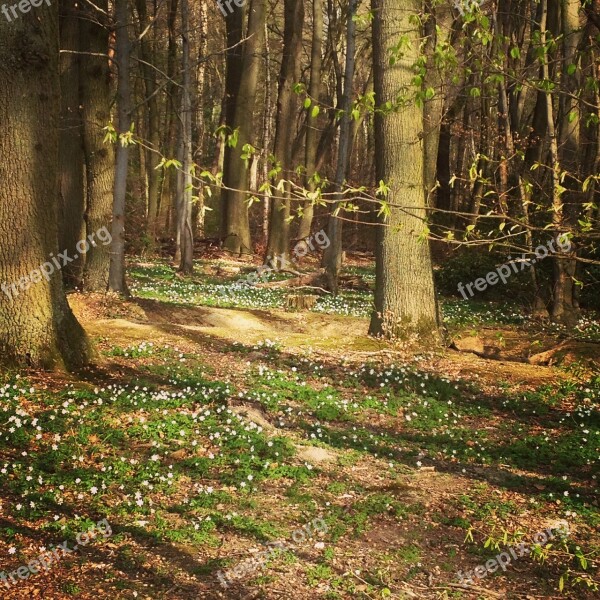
{"type": "Point", "coordinates": [216, 423]}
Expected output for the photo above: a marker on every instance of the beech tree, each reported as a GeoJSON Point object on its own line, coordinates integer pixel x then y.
{"type": "Point", "coordinates": [72, 199]}
{"type": "Point", "coordinates": [279, 221]}
{"type": "Point", "coordinates": [99, 156]}
{"type": "Point", "coordinates": [314, 93]}
{"type": "Point", "coordinates": [241, 101]}
{"type": "Point", "coordinates": [116, 280]}
{"type": "Point", "coordinates": [37, 326]}
{"type": "Point", "coordinates": [405, 301]}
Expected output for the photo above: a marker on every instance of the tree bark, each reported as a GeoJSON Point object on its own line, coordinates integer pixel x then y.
{"type": "Point", "coordinates": [116, 281]}
{"type": "Point", "coordinates": [95, 93]}
{"type": "Point", "coordinates": [332, 257]}
{"type": "Point", "coordinates": [279, 221]}
{"type": "Point", "coordinates": [235, 177]}
{"type": "Point", "coordinates": [438, 29]}
{"type": "Point", "coordinates": [267, 126]}
{"type": "Point", "coordinates": [37, 326]}
{"type": "Point", "coordinates": [234, 24]}
{"type": "Point", "coordinates": [185, 234]}
{"type": "Point", "coordinates": [168, 185]}
{"type": "Point", "coordinates": [564, 309]}
{"type": "Point", "coordinates": [198, 110]}
{"type": "Point", "coordinates": [312, 139]}
{"type": "Point", "coordinates": [153, 123]}
{"type": "Point", "coordinates": [71, 223]}
{"type": "Point", "coordinates": [405, 301]}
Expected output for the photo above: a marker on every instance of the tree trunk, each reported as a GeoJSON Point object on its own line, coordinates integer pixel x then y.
{"type": "Point", "coordinates": [267, 126]}
{"type": "Point", "coordinates": [96, 98]}
{"type": "Point", "coordinates": [237, 238]}
{"type": "Point", "coordinates": [198, 210]}
{"type": "Point", "coordinates": [71, 223]}
{"type": "Point", "coordinates": [405, 301]}
{"type": "Point", "coordinates": [37, 326]}
{"type": "Point", "coordinates": [332, 257]}
{"type": "Point", "coordinates": [279, 221]}
{"type": "Point", "coordinates": [116, 281]}
{"type": "Point", "coordinates": [438, 28]}
{"type": "Point", "coordinates": [234, 24]}
{"type": "Point", "coordinates": [184, 200]}
{"type": "Point", "coordinates": [564, 308]}
{"type": "Point", "coordinates": [169, 180]}
{"type": "Point", "coordinates": [312, 139]}
{"type": "Point", "coordinates": [153, 123]}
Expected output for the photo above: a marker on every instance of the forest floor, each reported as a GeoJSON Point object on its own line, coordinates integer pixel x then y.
{"type": "Point", "coordinates": [216, 423]}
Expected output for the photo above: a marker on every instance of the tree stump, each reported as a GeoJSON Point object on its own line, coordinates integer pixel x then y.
{"type": "Point", "coordinates": [301, 301]}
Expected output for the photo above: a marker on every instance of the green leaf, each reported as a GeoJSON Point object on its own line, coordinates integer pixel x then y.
{"type": "Point", "coordinates": [586, 184]}
{"type": "Point", "coordinates": [299, 88]}
{"type": "Point", "coordinates": [315, 111]}
{"type": "Point", "coordinates": [307, 102]}
{"type": "Point", "coordinates": [232, 139]}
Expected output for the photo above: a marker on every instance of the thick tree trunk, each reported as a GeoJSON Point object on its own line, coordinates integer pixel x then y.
{"type": "Point", "coordinates": [99, 157]}
{"type": "Point", "coordinates": [71, 223]}
{"type": "Point", "coordinates": [37, 326]}
{"type": "Point", "coordinates": [235, 177]}
{"type": "Point", "coordinates": [405, 301]}
{"type": "Point", "coordinates": [279, 221]}
{"type": "Point", "coordinates": [116, 281]}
